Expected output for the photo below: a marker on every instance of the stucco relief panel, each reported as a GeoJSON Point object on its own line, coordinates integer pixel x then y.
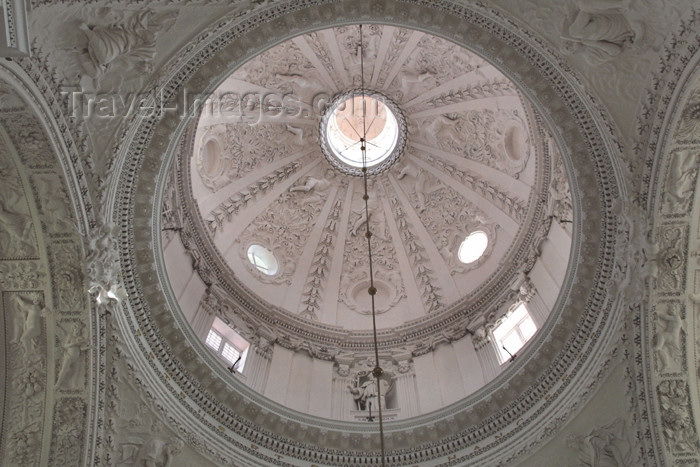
{"type": "Point", "coordinates": [388, 278]}
{"type": "Point", "coordinates": [670, 337]}
{"type": "Point", "coordinates": [18, 230]}
{"type": "Point", "coordinates": [25, 342]}
{"type": "Point", "coordinates": [671, 258]}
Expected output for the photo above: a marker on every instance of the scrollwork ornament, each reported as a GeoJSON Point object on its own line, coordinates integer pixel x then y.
{"type": "Point", "coordinates": [21, 275]}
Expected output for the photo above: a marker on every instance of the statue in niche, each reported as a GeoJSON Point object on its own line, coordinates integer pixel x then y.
{"type": "Point", "coordinates": [667, 342]}
{"type": "Point", "coordinates": [606, 446]}
{"type": "Point", "coordinates": [364, 391]}
{"type": "Point", "coordinates": [32, 310]}
{"type": "Point", "coordinates": [599, 30]}
{"type": "Point", "coordinates": [73, 346]}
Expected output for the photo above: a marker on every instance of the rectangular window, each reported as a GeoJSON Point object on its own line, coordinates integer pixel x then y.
{"type": "Point", "coordinates": [227, 344]}
{"type": "Point", "coordinates": [514, 332]}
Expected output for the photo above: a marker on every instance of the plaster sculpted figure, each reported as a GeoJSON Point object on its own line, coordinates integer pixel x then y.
{"type": "Point", "coordinates": [606, 446]}
{"type": "Point", "coordinates": [53, 203]}
{"type": "Point", "coordinates": [343, 370]}
{"type": "Point", "coordinates": [131, 44]}
{"type": "Point", "coordinates": [420, 182]}
{"type": "Point", "coordinates": [15, 227]}
{"type": "Point", "coordinates": [447, 251]}
{"type": "Point", "coordinates": [667, 343]}
{"type": "Point", "coordinates": [32, 310]}
{"type": "Point", "coordinates": [444, 131]}
{"type": "Point", "coordinates": [375, 212]}
{"type": "Point", "coordinates": [107, 299]}
{"type": "Point", "coordinates": [74, 344]}
{"type": "Point", "coordinates": [304, 92]}
{"type": "Point", "coordinates": [103, 267]}
{"type": "Point", "coordinates": [317, 187]}
{"type": "Point", "coordinates": [598, 29]}
{"type": "Point", "coordinates": [102, 256]}
{"type": "Point", "coordinates": [410, 81]}
{"type": "Point", "coordinates": [155, 452]}
{"type": "Point", "coordinates": [561, 206]}
{"type": "Point", "coordinates": [682, 173]}
{"type": "Point", "coordinates": [641, 253]}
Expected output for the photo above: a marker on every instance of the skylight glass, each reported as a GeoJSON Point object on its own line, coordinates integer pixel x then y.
{"type": "Point", "coordinates": [473, 247]}
{"type": "Point", "coordinates": [354, 117]}
{"type": "Point", "coordinates": [263, 259]}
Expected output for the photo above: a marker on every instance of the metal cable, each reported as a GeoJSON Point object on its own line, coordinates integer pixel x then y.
{"type": "Point", "coordinates": [377, 371]}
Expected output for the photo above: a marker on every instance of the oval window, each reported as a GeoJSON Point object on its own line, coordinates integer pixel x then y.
{"type": "Point", "coordinates": [263, 259]}
{"type": "Point", "coordinates": [473, 247]}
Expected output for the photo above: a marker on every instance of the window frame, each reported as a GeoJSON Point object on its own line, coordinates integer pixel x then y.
{"type": "Point", "coordinates": [503, 355]}
{"type": "Point", "coordinates": [223, 342]}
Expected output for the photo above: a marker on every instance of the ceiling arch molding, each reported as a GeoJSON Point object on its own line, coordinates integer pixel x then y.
{"type": "Point", "coordinates": [51, 337]}
{"type": "Point", "coordinates": [669, 321]}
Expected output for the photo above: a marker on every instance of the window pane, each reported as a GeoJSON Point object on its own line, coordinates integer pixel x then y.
{"type": "Point", "coordinates": [528, 328]}
{"type": "Point", "coordinates": [473, 247]}
{"type": "Point", "coordinates": [230, 353]}
{"type": "Point", "coordinates": [263, 259]}
{"type": "Point", "coordinates": [213, 340]}
{"type": "Point", "coordinates": [512, 342]}
{"type": "Point", "coordinates": [514, 332]}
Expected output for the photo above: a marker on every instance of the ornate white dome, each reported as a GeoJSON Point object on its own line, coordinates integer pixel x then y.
{"type": "Point", "coordinates": [278, 218]}
{"type": "Point", "coordinates": [124, 307]}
